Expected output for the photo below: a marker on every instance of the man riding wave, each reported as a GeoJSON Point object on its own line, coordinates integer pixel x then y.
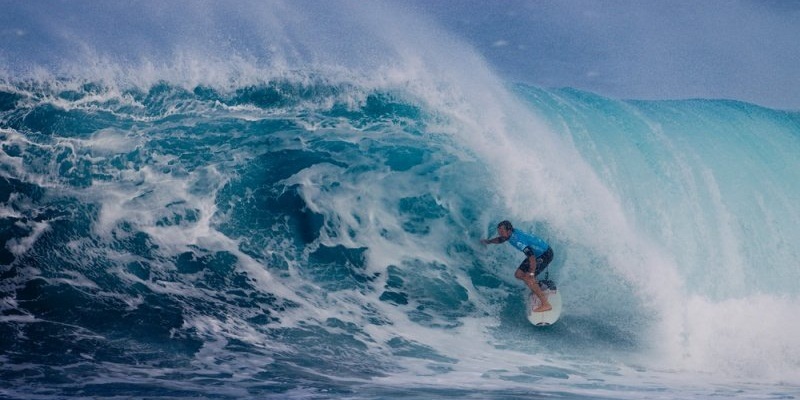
{"type": "Point", "coordinates": [537, 252]}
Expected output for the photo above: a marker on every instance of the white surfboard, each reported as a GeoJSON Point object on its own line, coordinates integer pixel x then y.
{"type": "Point", "coordinates": [547, 317]}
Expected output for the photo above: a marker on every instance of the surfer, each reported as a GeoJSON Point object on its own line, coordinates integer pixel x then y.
{"type": "Point", "coordinates": [537, 252]}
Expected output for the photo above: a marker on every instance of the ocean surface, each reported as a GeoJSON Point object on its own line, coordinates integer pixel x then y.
{"type": "Point", "coordinates": [232, 228]}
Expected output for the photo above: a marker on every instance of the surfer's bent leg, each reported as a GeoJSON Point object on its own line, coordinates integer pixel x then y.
{"type": "Point", "coordinates": [523, 273]}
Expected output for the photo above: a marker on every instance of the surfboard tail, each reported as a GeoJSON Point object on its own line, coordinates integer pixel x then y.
{"type": "Point", "coordinates": [544, 318]}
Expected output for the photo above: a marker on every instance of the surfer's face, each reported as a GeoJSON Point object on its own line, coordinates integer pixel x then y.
{"type": "Point", "coordinates": [503, 232]}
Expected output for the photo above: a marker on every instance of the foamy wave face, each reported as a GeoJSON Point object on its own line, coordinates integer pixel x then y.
{"type": "Point", "coordinates": [202, 218]}
{"type": "Point", "coordinates": [288, 221]}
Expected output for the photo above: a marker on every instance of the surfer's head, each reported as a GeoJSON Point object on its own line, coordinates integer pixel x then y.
{"type": "Point", "coordinates": [504, 229]}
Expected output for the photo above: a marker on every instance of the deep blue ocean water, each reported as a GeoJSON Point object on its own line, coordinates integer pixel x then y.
{"type": "Point", "coordinates": [247, 230]}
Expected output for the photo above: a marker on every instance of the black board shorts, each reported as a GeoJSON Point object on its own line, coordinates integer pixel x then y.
{"type": "Point", "coordinates": [541, 262]}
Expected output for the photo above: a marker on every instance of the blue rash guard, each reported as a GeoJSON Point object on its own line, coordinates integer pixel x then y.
{"type": "Point", "coordinates": [521, 240]}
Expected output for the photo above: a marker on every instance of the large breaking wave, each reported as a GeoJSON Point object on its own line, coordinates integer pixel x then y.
{"type": "Point", "coordinates": [239, 227]}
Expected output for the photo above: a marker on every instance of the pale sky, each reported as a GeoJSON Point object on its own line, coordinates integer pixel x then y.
{"type": "Point", "coordinates": [648, 49]}
{"type": "Point", "coordinates": [745, 50]}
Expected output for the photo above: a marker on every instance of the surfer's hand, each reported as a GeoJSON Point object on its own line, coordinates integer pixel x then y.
{"type": "Point", "coordinates": [485, 241]}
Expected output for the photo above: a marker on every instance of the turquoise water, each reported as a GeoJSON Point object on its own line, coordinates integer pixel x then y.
{"type": "Point", "coordinates": [241, 229]}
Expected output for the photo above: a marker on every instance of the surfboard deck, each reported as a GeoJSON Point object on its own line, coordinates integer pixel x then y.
{"type": "Point", "coordinates": [548, 317]}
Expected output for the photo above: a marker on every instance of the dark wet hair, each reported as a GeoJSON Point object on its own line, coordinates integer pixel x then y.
{"type": "Point", "coordinates": [506, 224]}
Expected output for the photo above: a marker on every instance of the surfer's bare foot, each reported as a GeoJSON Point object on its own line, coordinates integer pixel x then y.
{"type": "Point", "coordinates": [543, 308]}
